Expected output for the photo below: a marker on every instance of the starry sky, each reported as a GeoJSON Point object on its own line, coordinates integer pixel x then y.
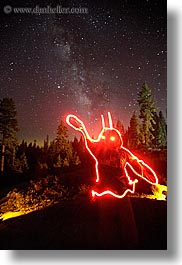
{"type": "Point", "coordinates": [84, 64]}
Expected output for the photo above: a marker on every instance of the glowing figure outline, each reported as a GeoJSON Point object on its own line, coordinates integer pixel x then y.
{"type": "Point", "coordinates": [140, 162]}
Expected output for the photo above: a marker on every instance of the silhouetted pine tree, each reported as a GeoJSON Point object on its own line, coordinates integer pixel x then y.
{"type": "Point", "coordinates": [120, 127]}
{"type": "Point", "coordinates": [63, 147]}
{"type": "Point", "coordinates": [8, 128]}
{"type": "Point", "coordinates": [134, 132]}
{"type": "Point", "coordinates": [163, 124]}
{"type": "Point", "coordinates": [147, 113]}
{"type": "Point", "coordinates": [160, 134]}
{"type": "Point", "coordinates": [8, 122]}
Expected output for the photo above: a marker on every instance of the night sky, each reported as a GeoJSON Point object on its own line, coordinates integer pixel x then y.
{"type": "Point", "coordinates": [85, 64]}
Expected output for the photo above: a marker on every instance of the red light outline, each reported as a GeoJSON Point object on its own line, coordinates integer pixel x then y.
{"type": "Point", "coordinates": [109, 192]}
{"type": "Point", "coordinates": [140, 162]}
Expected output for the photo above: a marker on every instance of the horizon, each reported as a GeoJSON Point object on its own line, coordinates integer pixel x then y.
{"type": "Point", "coordinates": [85, 64]}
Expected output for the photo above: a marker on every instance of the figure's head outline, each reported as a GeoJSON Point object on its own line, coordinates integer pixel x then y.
{"type": "Point", "coordinates": [78, 125]}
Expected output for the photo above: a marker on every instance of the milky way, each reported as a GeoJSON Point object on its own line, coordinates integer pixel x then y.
{"type": "Point", "coordinates": [53, 64]}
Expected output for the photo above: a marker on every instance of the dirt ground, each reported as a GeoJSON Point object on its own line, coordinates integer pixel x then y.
{"type": "Point", "coordinates": [107, 223]}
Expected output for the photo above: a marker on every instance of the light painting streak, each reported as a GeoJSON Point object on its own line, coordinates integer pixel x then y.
{"type": "Point", "coordinates": [150, 178]}
{"type": "Point", "coordinates": [9, 215]}
{"type": "Point", "coordinates": [110, 120]}
{"type": "Point", "coordinates": [108, 192]}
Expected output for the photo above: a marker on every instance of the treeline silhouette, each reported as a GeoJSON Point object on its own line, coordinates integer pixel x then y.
{"type": "Point", "coordinates": [146, 137]}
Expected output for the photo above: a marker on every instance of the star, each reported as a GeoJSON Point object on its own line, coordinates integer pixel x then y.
{"type": "Point", "coordinates": [84, 63]}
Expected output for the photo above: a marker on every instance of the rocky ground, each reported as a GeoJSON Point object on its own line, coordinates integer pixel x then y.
{"type": "Point", "coordinates": [79, 223]}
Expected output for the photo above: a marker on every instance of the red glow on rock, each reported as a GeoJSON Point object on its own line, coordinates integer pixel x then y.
{"type": "Point", "coordinates": [112, 138]}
